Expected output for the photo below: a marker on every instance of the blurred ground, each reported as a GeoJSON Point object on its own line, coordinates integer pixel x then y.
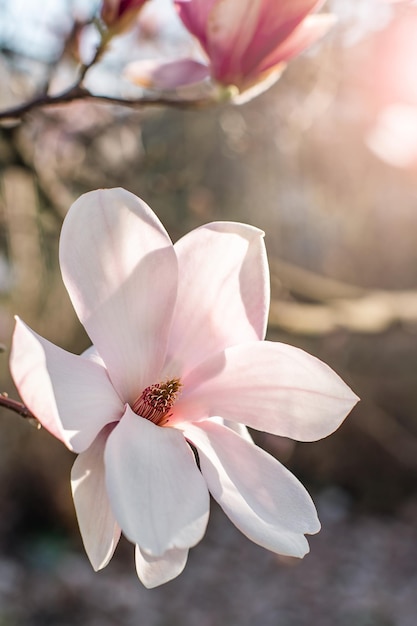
{"type": "Point", "coordinates": [361, 572]}
{"type": "Point", "coordinates": [341, 236]}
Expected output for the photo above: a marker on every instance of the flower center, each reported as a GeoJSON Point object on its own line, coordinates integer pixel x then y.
{"type": "Point", "coordinates": [156, 401]}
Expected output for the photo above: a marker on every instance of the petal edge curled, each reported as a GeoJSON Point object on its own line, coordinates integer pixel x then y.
{"type": "Point", "coordinates": [260, 496]}
{"type": "Point", "coordinates": [155, 571]}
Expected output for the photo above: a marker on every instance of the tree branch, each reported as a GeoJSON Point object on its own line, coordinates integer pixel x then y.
{"type": "Point", "coordinates": [335, 305]}
{"type": "Point", "coordinates": [78, 92]}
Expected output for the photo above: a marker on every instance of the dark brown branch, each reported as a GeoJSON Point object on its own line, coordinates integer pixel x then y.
{"type": "Point", "coordinates": [16, 406]}
{"type": "Point", "coordinates": [69, 95]}
{"type": "Point", "coordinates": [175, 103]}
{"type": "Point", "coordinates": [78, 92]}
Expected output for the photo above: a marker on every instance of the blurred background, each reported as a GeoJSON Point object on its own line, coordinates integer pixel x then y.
{"type": "Point", "coordinates": [326, 163]}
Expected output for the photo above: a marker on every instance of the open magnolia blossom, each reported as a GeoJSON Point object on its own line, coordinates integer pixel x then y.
{"type": "Point", "coordinates": [155, 408]}
{"type": "Point", "coordinates": [247, 44]}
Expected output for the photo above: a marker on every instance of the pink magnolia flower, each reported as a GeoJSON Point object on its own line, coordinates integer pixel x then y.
{"type": "Point", "coordinates": [155, 408]}
{"type": "Point", "coordinates": [247, 42]}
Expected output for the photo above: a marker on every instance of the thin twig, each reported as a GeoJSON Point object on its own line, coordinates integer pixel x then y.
{"type": "Point", "coordinates": [77, 92]}
{"type": "Point", "coordinates": [73, 93]}
{"type": "Point", "coordinates": [370, 311]}
{"type": "Point", "coordinates": [16, 406]}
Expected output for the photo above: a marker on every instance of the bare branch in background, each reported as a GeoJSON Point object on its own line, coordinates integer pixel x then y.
{"type": "Point", "coordinates": [335, 305]}
{"type": "Point", "coordinates": [77, 92]}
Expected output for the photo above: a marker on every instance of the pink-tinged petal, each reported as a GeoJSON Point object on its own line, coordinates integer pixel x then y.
{"type": "Point", "coordinates": [92, 355]}
{"type": "Point", "coordinates": [238, 428]}
{"type": "Point", "coordinates": [313, 28]}
{"type": "Point", "coordinates": [159, 75]}
{"type": "Point", "coordinates": [230, 29]}
{"type": "Point", "coordinates": [114, 9]}
{"type": "Point", "coordinates": [71, 396]}
{"type": "Point", "coordinates": [260, 496]}
{"type": "Point", "coordinates": [223, 292]}
{"type": "Point", "coordinates": [120, 270]}
{"type": "Point", "coordinates": [156, 490]}
{"type": "Point", "coordinates": [155, 571]}
{"type": "Point", "coordinates": [194, 15]}
{"type": "Point", "coordinates": [242, 32]}
{"type": "Point", "coordinates": [268, 386]}
{"type": "Point", "coordinates": [271, 67]}
{"type": "Point", "coordinates": [274, 28]}
{"type": "Point", "coordinates": [99, 530]}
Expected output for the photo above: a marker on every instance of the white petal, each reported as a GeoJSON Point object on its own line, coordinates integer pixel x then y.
{"type": "Point", "coordinates": [71, 396]}
{"type": "Point", "coordinates": [120, 269]}
{"type": "Point", "coordinates": [99, 530]}
{"type": "Point", "coordinates": [223, 291]}
{"type": "Point", "coordinates": [268, 386]}
{"type": "Point", "coordinates": [157, 493]}
{"type": "Point", "coordinates": [155, 571]}
{"type": "Point", "coordinates": [261, 497]}
{"type": "Point", "coordinates": [92, 355]}
{"type": "Point", "coordinates": [238, 428]}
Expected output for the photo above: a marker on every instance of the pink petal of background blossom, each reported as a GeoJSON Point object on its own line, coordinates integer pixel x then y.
{"type": "Point", "coordinates": [247, 42]}
{"type": "Point", "coordinates": [178, 358]}
{"type": "Point", "coordinates": [152, 73]}
{"type": "Point", "coordinates": [119, 15]}
{"type": "Point", "coordinates": [114, 10]}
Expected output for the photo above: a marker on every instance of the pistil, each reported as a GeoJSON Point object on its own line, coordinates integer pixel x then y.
{"type": "Point", "coordinates": [156, 401]}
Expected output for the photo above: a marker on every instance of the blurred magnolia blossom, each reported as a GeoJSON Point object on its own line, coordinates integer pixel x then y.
{"type": "Point", "coordinates": [393, 137]}
{"type": "Point", "coordinates": [247, 44]}
{"type": "Point", "coordinates": [155, 408]}
{"type": "Point", "coordinates": [119, 15]}
{"type": "Point", "coordinates": [390, 76]}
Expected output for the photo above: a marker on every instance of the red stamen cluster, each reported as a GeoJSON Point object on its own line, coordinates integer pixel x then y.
{"type": "Point", "coordinates": [156, 401]}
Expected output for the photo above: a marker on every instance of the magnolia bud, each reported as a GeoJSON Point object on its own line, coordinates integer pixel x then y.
{"type": "Point", "coordinates": [118, 14]}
